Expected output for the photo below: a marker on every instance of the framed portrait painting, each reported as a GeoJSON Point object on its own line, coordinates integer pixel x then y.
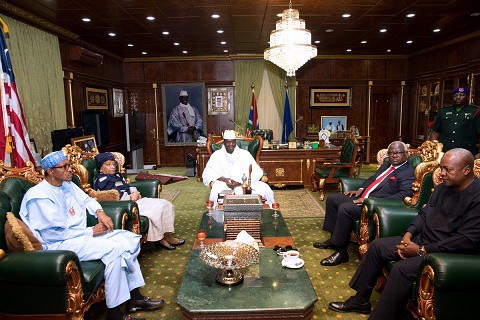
{"type": "Point", "coordinates": [220, 100]}
{"type": "Point", "coordinates": [330, 97]}
{"type": "Point", "coordinates": [184, 113]}
{"type": "Point", "coordinates": [334, 123]}
{"type": "Point", "coordinates": [86, 143]}
{"type": "Point", "coordinates": [96, 98]}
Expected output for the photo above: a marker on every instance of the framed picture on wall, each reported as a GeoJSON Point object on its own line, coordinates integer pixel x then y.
{"type": "Point", "coordinates": [118, 108]}
{"type": "Point", "coordinates": [330, 97]}
{"type": "Point", "coordinates": [86, 143]}
{"type": "Point", "coordinates": [96, 98]}
{"type": "Point", "coordinates": [184, 113]}
{"type": "Point", "coordinates": [220, 100]}
{"type": "Point", "coordinates": [334, 123]}
{"type": "Point", "coordinates": [313, 128]}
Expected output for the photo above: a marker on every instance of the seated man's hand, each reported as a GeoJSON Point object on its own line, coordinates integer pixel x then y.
{"type": "Point", "coordinates": [358, 201]}
{"type": "Point", "coordinates": [355, 194]}
{"type": "Point", "coordinates": [99, 229]}
{"type": "Point", "coordinates": [134, 196]}
{"type": "Point", "coordinates": [191, 129]}
{"type": "Point", "coordinates": [407, 248]}
{"type": "Point", "coordinates": [232, 184]}
{"type": "Point", "coordinates": [105, 220]}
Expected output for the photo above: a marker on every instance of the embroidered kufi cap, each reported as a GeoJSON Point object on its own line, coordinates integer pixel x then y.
{"type": "Point", "coordinates": [461, 90]}
{"type": "Point", "coordinates": [103, 157]}
{"type": "Point", "coordinates": [183, 93]}
{"type": "Point", "coordinates": [52, 159]}
{"type": "Point", "coordinates": [229, 135]}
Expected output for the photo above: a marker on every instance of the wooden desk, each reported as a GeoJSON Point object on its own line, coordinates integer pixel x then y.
{"type": "Point", "coordinates": [283, 166]}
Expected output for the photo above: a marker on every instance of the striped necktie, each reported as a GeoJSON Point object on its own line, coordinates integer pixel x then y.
{"type": "Point", "coordinates": [377, 181]}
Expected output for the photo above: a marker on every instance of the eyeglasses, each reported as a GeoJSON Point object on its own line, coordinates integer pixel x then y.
{"type": "Point", "coordinates": [65, 167]}
{"type": "Point", "coordinates": [395, 153]}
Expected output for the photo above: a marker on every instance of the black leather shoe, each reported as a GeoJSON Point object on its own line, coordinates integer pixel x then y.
{"type": "Point", "coordinates": [143, 305]}
{"type": "Point", "coordinates": [179, 243]}
{"type": "Point", "coordinates": [336, 258]}
{"type": "Point", "coordinates": [324, 245]}
{"type": "Point", "coordinates": [158, 244]}
{"type": "Point", "coordinates": [351, 305]}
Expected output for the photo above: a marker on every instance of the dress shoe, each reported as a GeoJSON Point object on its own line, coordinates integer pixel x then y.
{"type": "Point", "coordinates": [133, 318]}
{"type": "Point", "coordinates": [143, 305]}
{"type": "Point", "coordinates": [351, 305]}
{"type": "Point", "coordinates": [324, 245]}
{"type": "Point", "coordinates": [179, 243]}
{"type": "Point", "coordinates": [336, 258]}
{"type": "Point", "coordinates": [158, 244]}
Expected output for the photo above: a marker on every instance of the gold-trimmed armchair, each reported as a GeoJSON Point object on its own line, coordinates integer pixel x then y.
{"type": "Point", "coordinates": [44, 284]}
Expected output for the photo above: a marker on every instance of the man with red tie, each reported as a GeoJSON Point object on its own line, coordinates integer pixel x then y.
{"type": "Point", "coordinates": [392, 180]}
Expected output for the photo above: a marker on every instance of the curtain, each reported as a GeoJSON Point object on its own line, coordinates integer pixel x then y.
{"type": "Point", "coordinates": [268, 116]}
{"type": "Point", "coordinates": [247, 72]}
{"type": "Point", "coordinates": [37, 65]}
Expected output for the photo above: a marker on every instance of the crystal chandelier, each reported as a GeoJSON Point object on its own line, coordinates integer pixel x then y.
{"type": "Point", "coordinates": [290, 44]}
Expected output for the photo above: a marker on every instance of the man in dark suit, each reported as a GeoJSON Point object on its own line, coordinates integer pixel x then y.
{"type": "Point", "coordinates": [450, 222]}
{"type": "Point", "coordinates": [392, 180]}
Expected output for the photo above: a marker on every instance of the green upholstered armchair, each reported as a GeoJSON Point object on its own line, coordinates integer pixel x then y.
{"type": "Point", "coordinates": [44, 284]}
{"type": "Point", "coordinates": [332, 172]}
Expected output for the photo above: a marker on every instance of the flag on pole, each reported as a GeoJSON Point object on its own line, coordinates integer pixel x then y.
{"type": "Point", "coordinates": [287, 126]}
{"type": "Point", "coordinates": [253, 118]}
{"type": "Point", "coordinates": [14, 140]}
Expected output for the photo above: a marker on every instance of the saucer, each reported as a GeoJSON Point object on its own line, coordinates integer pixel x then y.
{"type": "Point", "coordinates": [297, 265]}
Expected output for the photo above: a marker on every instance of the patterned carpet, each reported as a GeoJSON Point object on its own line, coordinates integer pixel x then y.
{"type": "Point", "coordinates": [169, 195]}
{"type": "Point", "coordinates": [299, 203]}
{"type": "Point", "coordinates": [163, 270]}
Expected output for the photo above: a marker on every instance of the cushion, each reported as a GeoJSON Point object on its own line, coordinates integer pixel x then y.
{"type": "Point", "coordinates": [105, 195]}
{"type": "Point", "coordinates": [19, 237]}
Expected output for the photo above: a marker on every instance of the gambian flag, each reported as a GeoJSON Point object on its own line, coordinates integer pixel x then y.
{"type": "Point", "coordinates": [253, 118]}
{"type": "Point", "coordinates": [14, 139]}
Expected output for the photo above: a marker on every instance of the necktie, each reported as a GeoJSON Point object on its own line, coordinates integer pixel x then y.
{"type": "Point", "coordinates": [375, 183]}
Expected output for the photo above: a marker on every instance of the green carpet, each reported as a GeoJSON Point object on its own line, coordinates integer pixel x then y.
{"type": "Point", "coordinates": [163, 270]}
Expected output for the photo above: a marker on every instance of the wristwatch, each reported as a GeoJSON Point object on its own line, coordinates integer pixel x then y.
{"type": "Point", "coordinates": [421, 251]}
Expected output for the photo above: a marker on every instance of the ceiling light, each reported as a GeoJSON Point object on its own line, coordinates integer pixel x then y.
{"type": "Point", "coordinates": [130, 45]}
{"type": "Point", "coordinates": [410, 15]}
{"type": "Point", "coordinates": [364, 41]}
{"type": "Point", "coordinates": [409, 41]}
{"type": "Point", "coordinates": [184, 51]}
{"type": "Point", "coordinates": [219, 31]}
{"type": "Point", "coordinates": [383, 30]}
{"type": "Point", "coordinates": [111, 34]}
{"type": "Point", "coordinates": [150, 18]}
{"type": "Point", "coordinates": [290, 43]}
{"type": "Point", "coordinates": [346, 15]}
{"type": "Point", "coordinates": [388, 50]}
{"type": "Point", "coordinates": [436, 30]}
{"type": "Point", "coordinates": [215, 16]}
{"type": "Point", "coordinates": [223, 42]}
{"type": "Point", "coordinates": [144, 52]}
{"type": "Point", "coordinates": [225, 50]}
{"type": "Point", "coordinates": [176, 44]}
{"type": "Point", "coordinates": [86, 20]}
{"type": "Point", "coordinates": [329, 30]}
{"type": "Point", "coordinates": [475, 14]}
{"type": "Point", "coordinates": [349, 50]}
{"type": "Point", "coordinates": [317, 41]}
{"type": "Point", "coordinates": [166, 33]}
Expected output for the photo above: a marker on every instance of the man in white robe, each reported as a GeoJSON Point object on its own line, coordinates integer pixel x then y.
{"type": "Point", "coordinates": [227, 166]}
{"type": "Point", "coordinates": [55, 211]}
{"type": "Point", "coordinates": [185, 122]}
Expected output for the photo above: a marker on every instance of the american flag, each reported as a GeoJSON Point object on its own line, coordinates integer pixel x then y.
{"type": "Point", "coordinates": [253, 118]}
{"type": "Point", "coordinates": [14, 140]}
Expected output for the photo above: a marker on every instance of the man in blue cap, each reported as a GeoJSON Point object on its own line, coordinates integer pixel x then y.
{"type": "Point", "coordinates": [55, 210]}
{"type": "Point", "coordinates": [458, 125]}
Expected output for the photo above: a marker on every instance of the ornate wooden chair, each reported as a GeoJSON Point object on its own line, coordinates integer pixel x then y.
{"type": "Point", "coordinates": [331, 172]}
{"type": "Point", "coordinates": [44, 284]}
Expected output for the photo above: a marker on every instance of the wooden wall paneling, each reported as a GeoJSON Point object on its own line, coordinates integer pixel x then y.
{"type": "Point", "coordinates": [472, 50]}
{"type": "Point", "coordinates": [190, 71]}
{"type": "Point", "coordinates": [454, 56]}
{"type": "Point", "coordinates": [306, 72]}
{"type": "Point", "coordinates": [174, 156]}
{"type": "Point", "coordinates": [303, 110]}
{"type": "Point", "coordinates": [339, 69]}
{"type": "Point", "coordinates": [172, 71]}
{"type": "Point", "coordinates": [396, 69]}
{"type": "Point", "coordinates": [376, 69]}
{"type": "Point", "coordinates": [133, 72]}
{"type": "Point", "coordinates": [321, 69]}
{"type": "Point", "coordinates": [153, 72]}
{"type": "Point", "coordinates": [78, 97]}
{"type": "Point", "coordinates": [217, 71]}
{"type": "Point", "coordinates": [358, 69]}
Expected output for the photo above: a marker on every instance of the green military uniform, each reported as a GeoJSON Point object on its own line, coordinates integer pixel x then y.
{"type": "Point", "coordinates": [458, 129]}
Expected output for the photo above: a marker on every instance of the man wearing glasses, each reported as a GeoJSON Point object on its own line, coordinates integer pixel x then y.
{"type": "Point", "coordinates": [458, 125]}
{"type": "Point", "coordinates": [392, 180]}
{"type": "Point", "coordinates": [55, 211]}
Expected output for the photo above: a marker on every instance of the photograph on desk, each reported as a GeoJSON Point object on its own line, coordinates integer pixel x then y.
{"type": "Point", "coordinates": [184, 113]}
{"type": "Point", "coordinates": [334, 123]}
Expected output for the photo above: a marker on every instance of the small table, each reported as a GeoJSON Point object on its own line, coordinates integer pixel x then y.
{"type": "Point", "coordinates": [268, 291]}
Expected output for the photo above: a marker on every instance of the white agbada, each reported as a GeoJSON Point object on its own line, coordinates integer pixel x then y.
{"type": "Point", "coordinates": [234, 166]}
{"type": "Point", "coordinates": [183, 116]}
{"type": "Point", "coordinates": [57, 217]}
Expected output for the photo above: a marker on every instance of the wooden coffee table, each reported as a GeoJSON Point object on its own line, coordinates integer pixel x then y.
{"type": "Point", "coordinates": [268, 291]}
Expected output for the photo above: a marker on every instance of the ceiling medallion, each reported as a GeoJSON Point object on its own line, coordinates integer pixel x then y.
{"type": "Point", "coordinates": [290, 43]}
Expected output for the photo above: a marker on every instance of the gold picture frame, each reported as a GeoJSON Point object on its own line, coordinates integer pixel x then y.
{"type": "Point", "coordinates": [86, 143]}
{"type": "Point", "coordinates": [96, 98]}
{"type": "Point", "coordinates": [220, 100]}
{"type": "Point", "coordinates": [330, 97]}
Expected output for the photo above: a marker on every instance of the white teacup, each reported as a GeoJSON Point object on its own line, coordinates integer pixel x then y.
{"type": "Point", "coordinates": [292, 257]}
